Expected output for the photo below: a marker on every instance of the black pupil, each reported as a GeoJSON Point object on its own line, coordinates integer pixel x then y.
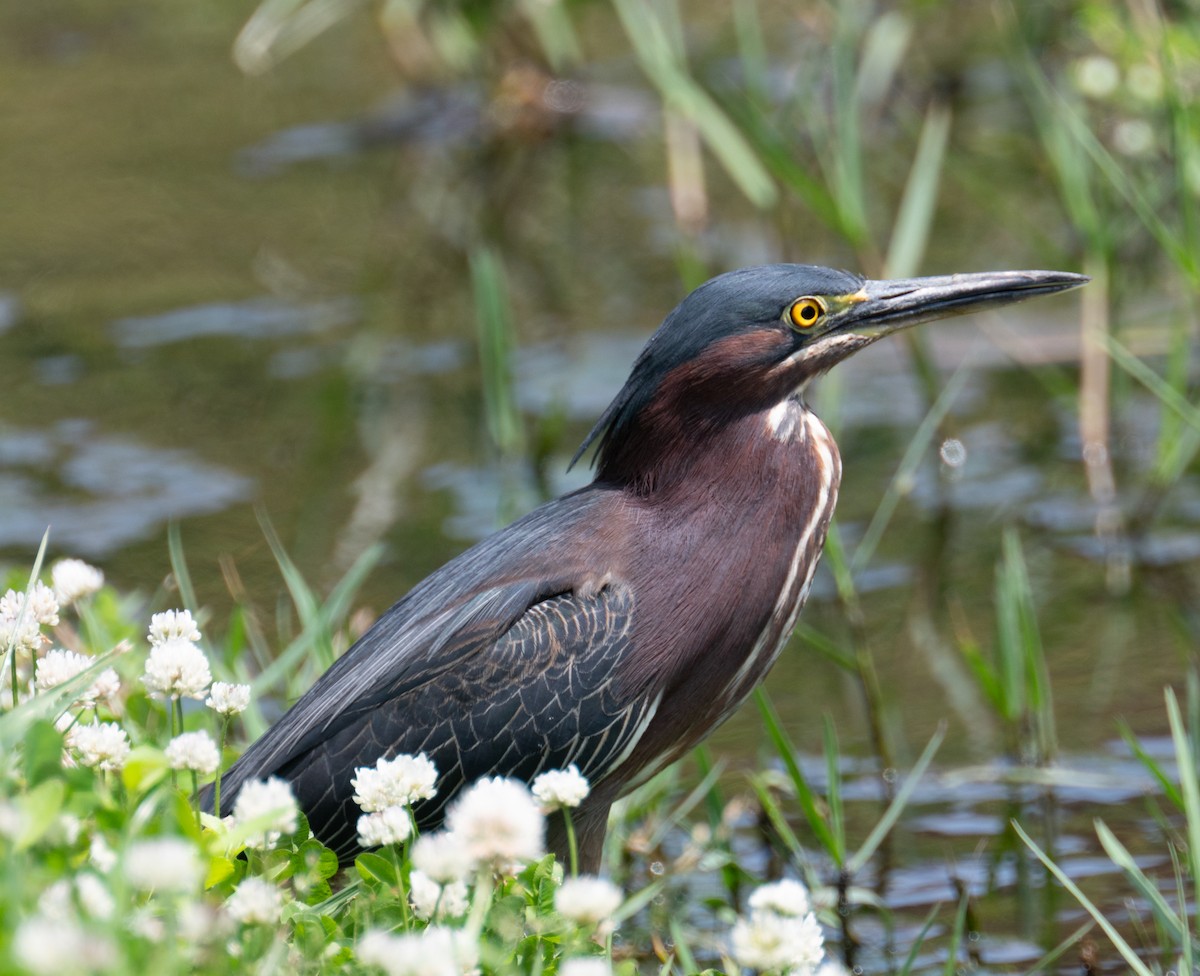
{"type": "Point", "coordinates": [808, 313]}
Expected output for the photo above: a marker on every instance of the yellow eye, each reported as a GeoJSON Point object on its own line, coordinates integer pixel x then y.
{"type": "Point", "coordinates": [805, 312]}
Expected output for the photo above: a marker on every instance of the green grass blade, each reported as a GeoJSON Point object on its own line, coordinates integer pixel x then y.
{"type": "Point", "coordinates": [919, 941]}
{"type": "Point", "coordinates": [1120, 856]}
{"type": "Point", "coordinates": [179, 567]}
{"type": "Point", "coordinates": [910, 234]}
{"type": "Point", "coordinates": [896, 807]}
{"type": "Point", "coordinates": [804, 794]}
{"type": "Point", "coordinates": [1070, 942]}
{"type": "Point", "coordinates": [658, 58]}
{"type": "Point", "coordinates": [493, 318]}
{"type": "Point", "coordinates": [777, 819]}
{"type": "Point", "coordinates": [1185, 760]}
{"type": "Point", "coordinates": [902, 479]}
{"type": "Point", "coordinates": [833, 795]}
{"type": "Point", "coordinates": [1123, 947]}
{"type": "Point", "coordinates": [956, 935]}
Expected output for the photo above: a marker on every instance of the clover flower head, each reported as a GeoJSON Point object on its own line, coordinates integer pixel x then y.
{"type": "Point", "coordinates": [57, 667]}
{"type": "Point", "coordinates": [585, 966]}
{"type": "Point", "coordinates": [559, 788]}
{"type": "Point", "coordinates": [73, 579]}
{"type": "Point", "coordinates": [391, 825]}
{"type": "Point", "coordinates": [103, 745]}
{"type": "Point", "coordinates": [255, 900]}
{"type": "Point", "coordinates": [787, 897]}
{"type": "Point", "coordinates": [43, 604]}
{"type": "Point", "coordinates": [173, 625]}
{"type": "Point", "coordinates": [228, 699]}
{"type": "Point", "coordinates": [164, 864]}
{"type": "Point", "coordinates": [50, 947]}
{"type": "Point", "coordinates": [435, 951]}
{"type": "Point", "coordinates": [441, 856]}
{"type": "Point", "coordinates": [766, 940]}
{"type": "Point", "coordinates": [499, 823]}
{"type": "Point", "coordinates": [195, 751]}
{"type": "Point", "coordinates": [270, 799]}
{"type": "Point", "coordinates": [396, 782]}
{"type": "Point", "coordinates": [430, 899]}
{"type": "Point", "coordinates": [24, 635]}
{"type": "Point", "coordinates": [587, 900]}
{"type": "Point", "coordinates": [177, 668]}
{"type": "Point", "coordinates": [60, 666]}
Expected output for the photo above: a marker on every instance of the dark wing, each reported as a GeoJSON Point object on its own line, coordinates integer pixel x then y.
{"type": "Point", "coordinates": [497, 690]}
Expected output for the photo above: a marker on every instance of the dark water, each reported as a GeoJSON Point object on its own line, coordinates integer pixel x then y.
{"type": "Point", "coordinates": [220, 294]}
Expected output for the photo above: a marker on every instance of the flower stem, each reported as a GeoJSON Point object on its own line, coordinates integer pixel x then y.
{"type": "Point", "coordinates": [176, 715]}
{"type": "Point", "coordinates": [220, 759]}
{"type": "Point", "coordinates": [571, 843]}
{"type": "Point", "coordinates": [196, 798]}
{"type": "Point", "coordinates": [394, 849]}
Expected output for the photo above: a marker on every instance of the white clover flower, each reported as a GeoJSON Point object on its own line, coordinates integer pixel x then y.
{"type": "Point", "coordinates": [173, 625]}
{"type": "Point", "coordinates": [1133, 137]}
{"type": "Point", "coordinates": [23, 635]}
{"type": "Point", "coordinates": [200, 922]}
{"type": "Point", "coordinates": [585, 966]}
{"type": "Point", "coordinates": [769, 941]}
{"type": "Point", "coordinates": [559, 788]}
{"type": "Point", "coordinates": [57, 667]}
{"type": "Point", "coordinates": [587, 900]}
{"type": "Point", "coordinates": [228, 699]}
{"type": "Point", "coordinates": [74, 579]}
{"type": "Point", "coordinates": [164, 864]}
{"type": "Point", "coordinates": [442, 857]}
{"type": "Point", "coordinates": [394, 782]}
{"type": "Point", "coordinates": [56, 902]}
{"type": "Point", "coordinates": [101, 856]}
{"type": "Point", "coordinates": [106, 687]}
{"type": "Point", "coordinates": [785, 897]}
{"type": "Point", "coordinates": [177, 668]}
{"type": "Point", "coordinates": [270, 799]}
{"type": "Point", "coordinates": [94, 896]}
{"type": "Point", "coordinates": [388, 826]}
{"type": "Point", "coordinates": [255, 900]}
{"type": "Point", "coordinates": [43, 605]}
{"type": "Point", "coordinates": [103, 745]}
{"type": "Point", "coordinates": [499, 822]}
{"type": "Point", "coordinates": [195, 751]}
{"type": "Point", "coordinates": [429, 898]}
{"type": "Point", "coordinates": [436, 951]}
{"type": "Point", "coordinates": [51, 947]}
{"type": "Point", "coordinates": [830, 967]}
{"type": "Point", "coordinates": [1096, 76]}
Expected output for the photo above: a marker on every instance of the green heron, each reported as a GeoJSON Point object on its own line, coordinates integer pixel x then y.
{"type": "Point", "coordinates": [617, 626]}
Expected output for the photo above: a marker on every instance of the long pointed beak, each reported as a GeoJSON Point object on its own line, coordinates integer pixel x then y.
{"type": "Point", "coordinates": [887, 306]}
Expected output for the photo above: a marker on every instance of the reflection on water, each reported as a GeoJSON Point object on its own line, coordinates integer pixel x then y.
{"type": "Point", "coordinates": [98, 493]}
{"type": "Point", "coordinates": [255, 318]}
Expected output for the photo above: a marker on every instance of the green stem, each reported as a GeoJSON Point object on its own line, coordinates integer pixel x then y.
{"type": "Point", "coordinates": [12, 657]}
{"type": "Point", "coordinates": [571, 843]}
{"type": "Point", "coordinates": [220, 758]}
{"type": "Point", "coordinates": [398, 861]}
{"type": "Point", "coordinates": [196, 798]}
{"type": "Point", "coordinates": [176, 715]}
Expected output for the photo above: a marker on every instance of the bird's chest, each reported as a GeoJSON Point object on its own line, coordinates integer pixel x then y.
{"type": "Point", "coordinates": [731, 589]}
